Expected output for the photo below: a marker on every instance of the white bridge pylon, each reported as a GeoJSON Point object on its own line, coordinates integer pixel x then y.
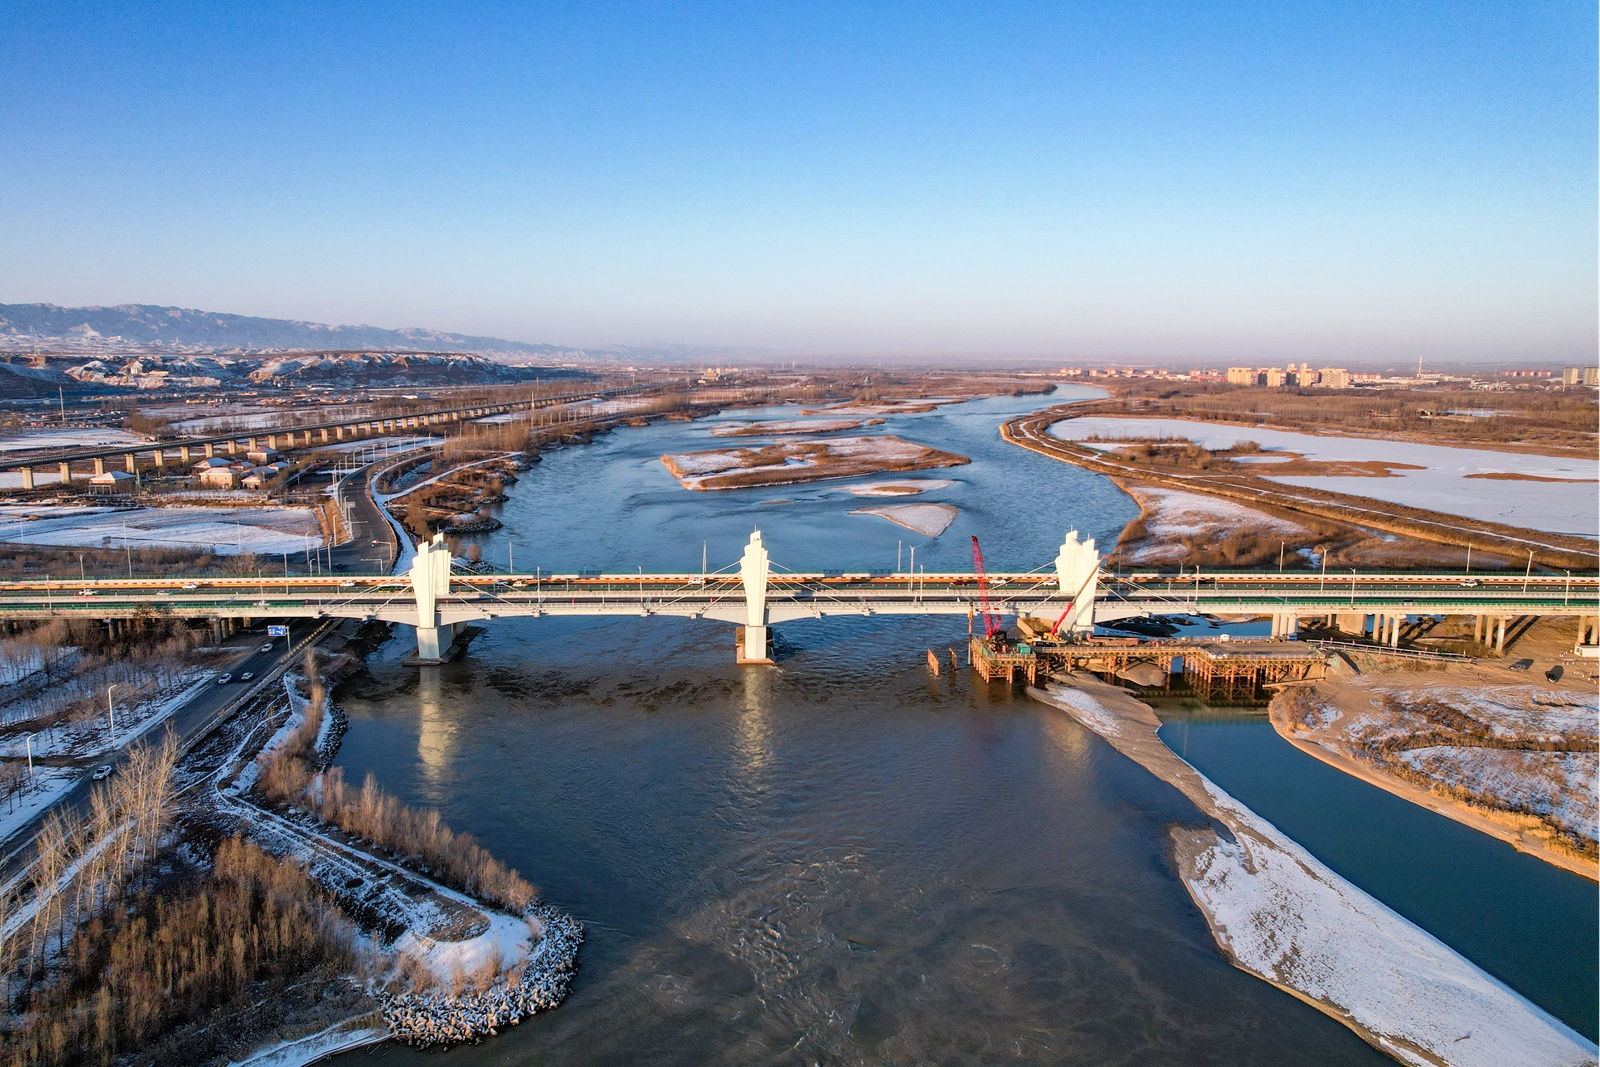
{"type": "Point", "coordinates": [430, 580]}
{"type": "Point", "coordinates": [1077, 577]}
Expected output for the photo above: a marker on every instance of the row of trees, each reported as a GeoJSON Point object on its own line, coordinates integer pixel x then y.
{"type": "Point", "coordinates": [290, 777]}
{"type": "Point", "coordinates": [250, 929]}
{"type": "Point", "coordinates": [82, 862]}
{"type": "Point", "coordinates": [76, 686]}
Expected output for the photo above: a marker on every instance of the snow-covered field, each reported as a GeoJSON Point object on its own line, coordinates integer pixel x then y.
{"type": "Point", "coordinates": [930, 520]}
{"type": "Point", "coordinates": [223, 531]}
{"type": "Point", "coordinates": [23, 440]}
{"type": "Point", "coordinates": [49, 783]}
{"type": "Point", "coordinates": [1171, 515]}
{"type": "Point", "coordinates": [1442, 485]}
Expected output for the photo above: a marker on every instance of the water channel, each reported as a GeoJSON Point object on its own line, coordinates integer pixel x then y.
{"type": "Point", "coordinates": [841, 859]}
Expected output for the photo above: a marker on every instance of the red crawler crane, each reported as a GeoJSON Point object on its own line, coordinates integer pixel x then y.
{"type": "Point", "coordinates": [991, 620]}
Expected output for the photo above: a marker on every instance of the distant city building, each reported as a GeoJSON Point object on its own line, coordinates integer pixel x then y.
{"type": "Point", "coordinates": [1581, 376]}
{"type": "Point", "coordinates": [1273, 378]}
{"type": "Point", "coordinates": [1334, 378]}
{"type": "Point", "coordinates": [1242, 376]}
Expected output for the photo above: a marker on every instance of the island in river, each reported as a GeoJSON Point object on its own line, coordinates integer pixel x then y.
{"type": "Point", "coordinates": [788, 461]}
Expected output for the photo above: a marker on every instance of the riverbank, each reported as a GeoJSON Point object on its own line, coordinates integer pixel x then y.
{"type": "Point", "coordinates": [1280, 914]}
{"type": "Point", "coordinates": [1474, 742]}
{"type": "Point", "coordinates": [1244, 486]}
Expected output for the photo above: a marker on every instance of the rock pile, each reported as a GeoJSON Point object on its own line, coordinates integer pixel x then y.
{"type": "Point", "coordinates": [425, 1019]}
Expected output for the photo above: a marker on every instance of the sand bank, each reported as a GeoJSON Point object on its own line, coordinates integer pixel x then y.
{"type": "Point", "coordinates": [1282, 915]}
{"type": "Point", "coordinates": [787, 462]}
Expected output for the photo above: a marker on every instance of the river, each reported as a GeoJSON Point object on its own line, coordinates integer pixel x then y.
{"type": "Point", "coordinates": [839, 859]}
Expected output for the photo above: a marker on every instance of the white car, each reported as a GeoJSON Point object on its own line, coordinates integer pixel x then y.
{"type": "Point", "coordinates": [224, 679]}
{"type": "Point", "coordinates": [246, 676]}
{"type": "Point", "coordinates": [189, 587]}
{"type": "Point", "coordinates": [102, 772]}
{"type": "Point", "coordinates": [266, 647]}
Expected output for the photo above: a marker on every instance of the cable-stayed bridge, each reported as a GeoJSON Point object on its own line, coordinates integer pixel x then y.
{"type": "Point", "coordinates": [754, 594]}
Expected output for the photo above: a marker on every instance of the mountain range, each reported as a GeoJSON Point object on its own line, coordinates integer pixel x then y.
{"type": "Point", "coordinates": [130, 328]}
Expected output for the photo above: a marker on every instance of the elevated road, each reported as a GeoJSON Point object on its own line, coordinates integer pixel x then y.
{"type": "Point", "coordinates": [282, 438]}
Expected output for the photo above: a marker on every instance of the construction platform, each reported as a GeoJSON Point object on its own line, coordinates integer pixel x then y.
{"type": "Point", "coordinates": [1231, 670]}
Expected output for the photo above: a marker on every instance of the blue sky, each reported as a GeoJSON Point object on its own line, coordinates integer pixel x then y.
{"type": "Point", "coordinates": [1144, 180]}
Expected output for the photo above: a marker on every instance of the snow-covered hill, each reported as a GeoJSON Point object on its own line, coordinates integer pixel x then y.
{"type": "Point", "coordinates": [128, 328]}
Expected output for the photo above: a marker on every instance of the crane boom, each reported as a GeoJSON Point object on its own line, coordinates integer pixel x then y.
{"type": "Point", "coordinates": [991, 621]}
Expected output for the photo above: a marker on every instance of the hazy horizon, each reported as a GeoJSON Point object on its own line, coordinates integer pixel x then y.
{"type": "Point", "coordinates": [1354, 184]}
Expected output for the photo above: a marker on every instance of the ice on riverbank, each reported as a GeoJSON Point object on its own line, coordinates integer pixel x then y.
{"type": "Point", "coordinates": [930, 520]}
{"type": "Point", "coordinates": [1283, 915]}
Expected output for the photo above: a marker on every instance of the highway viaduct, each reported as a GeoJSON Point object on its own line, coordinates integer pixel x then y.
{"type": "Point", "coordinates": [182, 452]}
{"type": "Point", "coordinates": [439, 601]}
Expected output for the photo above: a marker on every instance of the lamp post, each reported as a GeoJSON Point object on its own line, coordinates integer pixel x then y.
{"type": "Point", "coordinates": [1281, 546]}
{"type": "Point", "coordinates": [1529, 575]}
{"type": "Point", "coordinates": [111, 709]}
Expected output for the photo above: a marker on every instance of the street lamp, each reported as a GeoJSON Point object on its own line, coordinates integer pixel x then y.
{"type": "Point", "coordinates": [111, 709]}
{"type": "Point", "coordinates": [1281, 546]}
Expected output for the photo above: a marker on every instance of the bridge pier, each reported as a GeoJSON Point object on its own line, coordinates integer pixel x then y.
{"type": "Point", "coordinates": [128, 463]}
{"type": "Point", "coordinates": [1285, 625]}
{"type": "Point", "coordinates": [99, 464]}
{"type": "Point", "coordinates": [433, 642]}
{"type": "Point", "coordinates": [66, 473]}
{"type": "Point", "coordinates": [27, 477]}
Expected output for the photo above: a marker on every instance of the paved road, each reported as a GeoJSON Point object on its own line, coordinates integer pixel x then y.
{"type": "Point", "coordinates": [359, 555]}
{"type": "Point", "coordinates": [244, 655]}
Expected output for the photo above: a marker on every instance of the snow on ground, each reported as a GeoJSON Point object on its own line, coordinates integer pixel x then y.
{"type": "Point", "coordinates": [133, 722]}
{"type": "Point", "coordinates": [798, 460]}
{"type": "Point", "coordinates": [41, 478]}
{"type": "Point", "coordinates": [1174, 513]}
{"type": "Point", "coordinates": [909, 487]}
{"type": "Point", "coordinates": [506, 935]}
{"type": "Point", "coordinates": [1282, 913]}
{"type": "Point", "coordinates": [1442, 485]}
{"type": "Point", "coordinates": [1560, 785]}
{"type": "Point", "coordinates": [301, 1051]}
{"type": "Point", "coordinates": [930, 520]}
{"type": "Point", "coordinates": [49, 785]}
{"type": "Point", "coordinates": [785, 426]}
{"type": "Point", "coordinates": [223, 531]}
{"type": "Point", "coordinates": [23, 440]}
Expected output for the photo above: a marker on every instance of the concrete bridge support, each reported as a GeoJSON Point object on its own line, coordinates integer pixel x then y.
{"type": "Point", "coordinates": [430, 580]}
{"type": "Point", "coordinates": [754, 570]}
{"type": "Point", "coordinates": [99, 465]}
{"type": "Point", "coordinates": [161, 460]}
{"type": "Point", "coordinates": [66, 473]}
{"type": "Point", "coordinates": [27, 477]}
{"type": "Point", "coordinates": [1285, 625]}
{"type": "Point", "coordinates": [128, 463]}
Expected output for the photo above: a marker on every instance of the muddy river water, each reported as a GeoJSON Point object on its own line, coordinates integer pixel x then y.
{"type": "Point", "coordinates": [841, 859]}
